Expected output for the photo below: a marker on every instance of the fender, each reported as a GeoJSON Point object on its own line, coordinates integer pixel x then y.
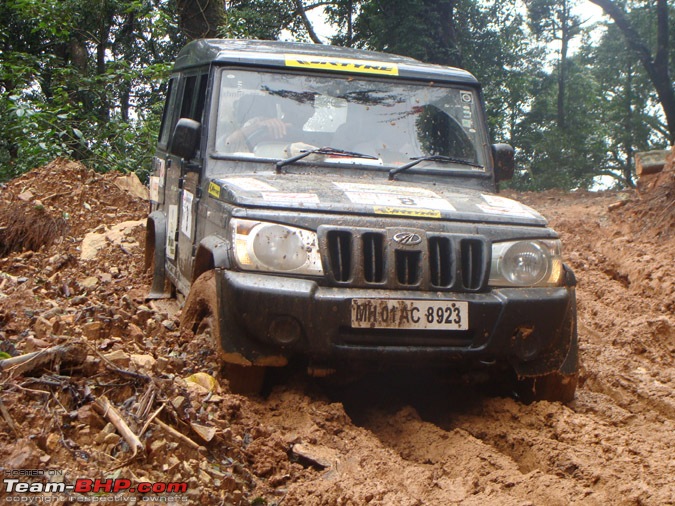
{"type": "Point", "coordinates": [212, 253]}
{"type": "Point", "coordinates": [155, 253]}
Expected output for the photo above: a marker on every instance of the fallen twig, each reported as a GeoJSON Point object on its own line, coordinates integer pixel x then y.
{"type": "Point", "coordinates": [152, 417]}
{"type": "Point", "coordinates": [69, 353]}
{"type": "Point", "coordinates": [179, 435]}
{"type": "Point", "coordinates": [111, 366]}
{"type": "Point", "coordinates": [108, 411]}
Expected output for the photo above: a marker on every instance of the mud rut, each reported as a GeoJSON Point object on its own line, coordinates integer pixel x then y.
{"type": "Point", "coordinates": [403, 439]}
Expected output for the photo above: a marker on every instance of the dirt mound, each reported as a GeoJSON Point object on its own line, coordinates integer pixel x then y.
{"type": "Point", "coordinates": [25, 226]}
{"type": "Point", "coordinates": [651, 211]}
{"type": "Point", "coordinates": [68, 191]}
{"type": "Point", "coordinates": [85, 345]}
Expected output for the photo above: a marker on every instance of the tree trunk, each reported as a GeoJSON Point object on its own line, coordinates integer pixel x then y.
{"type": "Point", "coordinates": [562, 70]}
{"type": "Point", "coordinates": [200, 18]}
{"type": "Point", "coordinates": [656, 66]}
{"type": "Point", "coordinates": [628, 121]}
{"type": "Point", "coordinates": [446, 14]}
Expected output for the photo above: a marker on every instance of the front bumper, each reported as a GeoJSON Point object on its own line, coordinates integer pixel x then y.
{"type": "Point", "coordinates": [268, 319]}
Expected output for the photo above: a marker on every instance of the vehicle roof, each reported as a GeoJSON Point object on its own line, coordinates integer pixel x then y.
{"type": "Point", "coordinates": [268, 53]}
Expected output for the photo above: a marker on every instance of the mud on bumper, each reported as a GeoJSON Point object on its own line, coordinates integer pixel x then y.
{"type": "Point", "coordinates": [268, 319]}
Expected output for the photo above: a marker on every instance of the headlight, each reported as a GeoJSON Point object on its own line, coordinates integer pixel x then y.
{"type": "Point", "coordinates": [270, 247]}
{"type": "Point", "coordinates": [526, 263]}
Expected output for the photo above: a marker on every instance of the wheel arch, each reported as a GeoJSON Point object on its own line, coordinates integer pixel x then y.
{"type": "Point", "coordinates": [212, 253]}
{"type": "Point", "coordinates": [155, 254]}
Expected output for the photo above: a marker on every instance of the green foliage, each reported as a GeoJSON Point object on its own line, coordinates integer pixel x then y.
{"type": "Point", "coordinates": [256, 19]}
{"type": "Point", "coordinates": [83, 80]}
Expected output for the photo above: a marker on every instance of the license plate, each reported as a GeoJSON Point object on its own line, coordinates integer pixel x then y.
{"type": "Point", "coordinates": [409, 314]}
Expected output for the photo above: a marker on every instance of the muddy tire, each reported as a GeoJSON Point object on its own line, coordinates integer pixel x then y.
{"type": "Point", "coordinates": [200, 315]}
{"type": "Point", "coordinates": [553, 387]}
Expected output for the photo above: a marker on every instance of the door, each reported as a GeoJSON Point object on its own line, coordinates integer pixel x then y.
{"type": "Point", "coordinates": [182, 180]}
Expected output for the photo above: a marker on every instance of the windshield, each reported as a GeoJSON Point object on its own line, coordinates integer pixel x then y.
{"type": "Point", "coordinates": [278, 115]}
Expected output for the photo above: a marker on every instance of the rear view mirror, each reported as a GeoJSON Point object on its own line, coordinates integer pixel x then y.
{"type": "Point", "coordinates": [503, 157]}
{"type": "Point", "coordinates": [185, 140]}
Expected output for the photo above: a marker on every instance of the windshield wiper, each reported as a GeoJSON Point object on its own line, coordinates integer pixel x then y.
{"type": "Point", "coordinates": [322, 151]}
{"type": "Point", "coordinates": [431, 158]}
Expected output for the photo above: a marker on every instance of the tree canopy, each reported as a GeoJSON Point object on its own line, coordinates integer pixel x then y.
{"type": "Point", "coordinates": [85, 79]}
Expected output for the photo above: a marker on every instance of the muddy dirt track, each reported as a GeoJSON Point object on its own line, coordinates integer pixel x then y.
{"type": "Point", "coordinates": [404, 439]}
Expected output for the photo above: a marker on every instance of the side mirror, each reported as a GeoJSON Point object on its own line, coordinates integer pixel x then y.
{"type": "Point", "coordinates": [503, 157]}
{"type": "Point", "coordinates": [185, 140]}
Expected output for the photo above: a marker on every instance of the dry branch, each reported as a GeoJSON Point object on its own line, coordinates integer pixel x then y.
{"type": "Point", "coordinates": [179, 435]}
{"type": "Point", "coordinates": [108, 411]}
{"type": "Point", "coordinates": [72, 354]}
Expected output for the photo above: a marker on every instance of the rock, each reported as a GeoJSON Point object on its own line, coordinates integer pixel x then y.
{"type": "Point", "coordinates": [93, 330]}
{"type": "Point", "coordinates": [205, 432]}
{"type": "Point", "coordinates": [132, 185]}
{"type": "Point", "coordinates": [89, 282]}
{"type": "Point", "coordinates": [94, 241]}
{"type": "Point", "coordinates": [146, 362]}
{"type": "Point", "coordinates": [88, 416]}
{"type": "Point", "coordinates": [33, 344]}
{"type": "Point", "coordinates": [43, 328]}
{"type": "Point", "coordinates": [25, 455]}
{"type": "Point", "coordinates": [318, 455]}
{"type": "Point", "coordinates": [118, 357]}
{"type": "Point", "coordinates": [169, 324]}
{"type": "Point", "coordinates": [135, 332]}
{"type": "Point", "coordinates": [109, 428]}
{"type": "Point", "coordinates": [177, 402]}
{"type": "Point", "coordinates": [26, 196]}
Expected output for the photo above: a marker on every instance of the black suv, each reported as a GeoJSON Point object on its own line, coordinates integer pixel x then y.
{"type": "Point", "coordinates": [339, 205]}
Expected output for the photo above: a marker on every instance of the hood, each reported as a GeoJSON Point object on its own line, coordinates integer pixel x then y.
{"type": "Point", "coordinates": [334, 194]}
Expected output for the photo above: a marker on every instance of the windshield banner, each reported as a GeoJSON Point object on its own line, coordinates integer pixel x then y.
{"type": "Point", "coordinates": [341, 64]}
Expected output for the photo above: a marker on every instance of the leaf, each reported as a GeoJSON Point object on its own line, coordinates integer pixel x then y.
{"type": "Point", "coordinates": [204, 380]}
{"type": "Point", "coordinates": [78, 133]}
{"type": "Point", "coordinates": [4, 355]}
{"type": "Point", "coordinates": [205, 432]}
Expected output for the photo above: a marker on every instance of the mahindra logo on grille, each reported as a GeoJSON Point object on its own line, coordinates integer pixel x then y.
{"type": "Point", "coordinates": [407, 238]}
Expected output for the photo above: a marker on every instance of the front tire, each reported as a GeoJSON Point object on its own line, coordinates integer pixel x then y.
{"type": "Point", "coordinates": [200, 316]}
{"type": "Point", "coordinates": [552, 387]}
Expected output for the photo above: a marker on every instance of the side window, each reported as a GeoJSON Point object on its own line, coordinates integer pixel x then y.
{"type": "Point", "coordinates": [188, 97]}
{"type": "Point", "coordinates": [194, 96]}
{"type": "Point", "coordinates": [165, 128]}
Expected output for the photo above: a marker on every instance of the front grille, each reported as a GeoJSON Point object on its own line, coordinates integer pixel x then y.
{"type": "Point", "coordinates": [473, 261]}
{"type": "Point", "coordinates": [408, 268]}
{"type": "Point", "coordinates": [441, 262]}
{"type": "Point", "coordinates": [340, 254]}
{"type": "Point", "coordinates": [371, 258]}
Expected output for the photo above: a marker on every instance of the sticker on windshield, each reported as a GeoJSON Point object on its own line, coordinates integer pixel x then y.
{"type": "Point", "coordinates": [502, 205]}
{"type": "Point", "coordinates": [467, 97]}
{"type": "Point", "coordinates": [341, 64]}
{"type": "Point", "coordinates": [394, 197]}
{"type": "Point", "coordinates": [249, 184]}
{"type": "Point", "coordinates": [297, 198]}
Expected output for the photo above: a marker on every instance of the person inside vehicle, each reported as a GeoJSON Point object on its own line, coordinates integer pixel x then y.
{"type": "Point", "coordinates": [267, 119]}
